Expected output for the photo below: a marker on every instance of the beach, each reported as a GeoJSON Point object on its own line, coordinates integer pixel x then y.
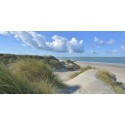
{"type": "Point", "coordinates": [117, 69]}
{"type": "Point", "coordinates": [88, 81]}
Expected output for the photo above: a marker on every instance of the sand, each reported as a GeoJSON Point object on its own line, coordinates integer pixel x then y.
{"type": "Point", "coordinates": [117, 69]}
{"type": "Point", "coordinates": [88, 82]}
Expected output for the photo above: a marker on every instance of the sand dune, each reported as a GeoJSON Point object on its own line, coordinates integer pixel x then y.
{"type": "Point", "coordinates": [117, 69]}
{"type": "Point", "coordinates": [90, 84]}
{"type": "Point", "coordinates": [88, 81]}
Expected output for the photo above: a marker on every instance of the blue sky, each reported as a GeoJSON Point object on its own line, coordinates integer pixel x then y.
{"type": "Point", "coordinates": [64, 43]}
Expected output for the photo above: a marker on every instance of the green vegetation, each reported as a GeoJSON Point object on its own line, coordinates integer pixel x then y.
{"type": "Point", "coordinates": [110, 79]}
{"type": "Point", "coordinates": [31, 69]}
{"type": "Point", "coordinates": [12, 84]}
{"type": "Point", "coordinates": [29, 76]}
{"type": "Point", "coordinates": [54, 63]}
{"type": "Point", "coordinates": [71, 66]}
{"type": "Point", "coordinates": [82, 69]}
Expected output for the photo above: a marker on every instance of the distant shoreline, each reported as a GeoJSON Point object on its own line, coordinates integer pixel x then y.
{"type": "Point", "coordinates": [120, 65]}
{"type": "Point", "coordinates": [105, 60]}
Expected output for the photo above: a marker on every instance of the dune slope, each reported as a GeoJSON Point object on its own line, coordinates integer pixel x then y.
{"type": "Point", "coordinates": [89, 83]}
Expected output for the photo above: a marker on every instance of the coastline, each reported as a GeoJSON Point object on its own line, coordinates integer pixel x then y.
{"type": "Point", "coordinates": [88, 82]}
{"type": "Point", "coordinates": [117, 69]}
{"type": "Point", "coordinates": [103, 63]}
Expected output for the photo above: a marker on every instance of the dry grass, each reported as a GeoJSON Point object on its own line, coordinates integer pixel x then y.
{"type": "Point", "coordinates": [82, 69]}
{"type": "Point", "coordinates": [110, 79]}
{"type": "Point", "coordinates": [29, 76]}
{"type": "Point", "coordinates": [11, 84]}
{"type": "Point", "coordinates": [31, 69]}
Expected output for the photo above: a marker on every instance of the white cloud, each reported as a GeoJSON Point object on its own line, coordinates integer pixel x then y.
{"type": "Point", "coordinates": [110, 42]}
{"type": "Point", "coordinates": [6, 33]}
{"type": "Point", "coordinates": [96, 39]}
{"type": "Point", "coordinates": [75, 46]}
{"type": "Point", "coordinates": [92, 52]}
{"type": "Point", "coordinates": [38, 41]}
{"type": "Point", "coordinates": [123, 48]}
{"type": "Point", "coordinates": [58, 44]}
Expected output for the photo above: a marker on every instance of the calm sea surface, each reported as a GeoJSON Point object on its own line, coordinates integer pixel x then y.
{"type": "Point", "coordinates": [120, 60]}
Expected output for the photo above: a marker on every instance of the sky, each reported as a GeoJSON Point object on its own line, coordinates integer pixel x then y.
{"type": "Point", "coordinates": [64, 43]}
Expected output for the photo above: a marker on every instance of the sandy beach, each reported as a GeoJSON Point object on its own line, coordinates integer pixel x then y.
{"type": "Point", "coordinates": [117, 69]}
{"type": "Point", "coordinates": [88, 82]}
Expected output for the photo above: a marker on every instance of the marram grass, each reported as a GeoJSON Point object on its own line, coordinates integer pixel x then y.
{"type": "Point", "coordinates": [82, 69]}
{"type": "Point", "coordinates": [110, 79]}
{"type": "Point", "coordinates": [28, 77]}
{"type": "Point", "coordinates": [31, 69]}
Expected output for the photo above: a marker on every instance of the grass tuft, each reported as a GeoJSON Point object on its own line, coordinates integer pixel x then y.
{"type": "Point", "coordinates": [29, 76]}
{"type": "Point", "coordinates": [110, 79]}
{"type": "Point", "coordinates": [82, 69]}
{"type": "Point", "coordinates": [32, 70]}
{"type": "Point", "coordinates": [12, 84]}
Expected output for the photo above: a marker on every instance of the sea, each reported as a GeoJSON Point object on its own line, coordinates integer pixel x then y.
{"type": "Point", "coordinates": [116, 60]}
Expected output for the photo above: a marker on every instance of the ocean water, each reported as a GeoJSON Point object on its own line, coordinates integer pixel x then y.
{"type": "Point", "coordinates": [117, 60]}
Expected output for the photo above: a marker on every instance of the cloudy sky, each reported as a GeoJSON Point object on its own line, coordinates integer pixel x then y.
{"type": "Point", "coordinates": [66, 43]}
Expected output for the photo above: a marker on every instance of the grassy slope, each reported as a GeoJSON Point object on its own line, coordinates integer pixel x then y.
{"type": "Point", "coordinates": [28, 76]}
{"type": "Point", "coordinates": [54, 63]}
{"type": "Point", "coordinates": [110, 80]}
{"type": "Point", "coordinates": [11, 84]}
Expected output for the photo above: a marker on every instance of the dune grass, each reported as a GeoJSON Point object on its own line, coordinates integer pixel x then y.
{"type": "Point", "coordinates": [29, 76]}
{"type": "Point", "coordinates": [110, 79]}
{"type": "Point", "coordinates": [35, 70]}
{"type": "Point", "coordinates": [31, 69]}
{"type": "Point", "coordinates": [12, 84]}
{"type": "Point", "coordinates": [82, 69]}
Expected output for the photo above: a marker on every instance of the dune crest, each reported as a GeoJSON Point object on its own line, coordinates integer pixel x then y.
{"type": "Point", "coordinates": [89, 83]}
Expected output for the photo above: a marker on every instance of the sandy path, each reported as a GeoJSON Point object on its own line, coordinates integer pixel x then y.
{"type": "Point", "coordinates": [90, 84]}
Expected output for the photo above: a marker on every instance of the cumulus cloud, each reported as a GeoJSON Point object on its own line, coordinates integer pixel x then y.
{"type": "Point", "coordinates": [38, 41]}
{"type": "Point", "coordinates": [75, 46]}
{"type": "Point", "coordinates": [110, 42]}
{"type": "Point", "coordinates": [58, 44]}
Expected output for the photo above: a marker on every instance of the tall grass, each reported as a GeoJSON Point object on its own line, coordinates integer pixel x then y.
{"type": "Point", "coordinates": [110, 79]}
{"type": "Point", "coordinates": [35, 70]}
{"type": "Point", "coordinates": [29, 76]}
{"type": "Point", "coordinates": [31, 69]}
{"type": "Point", "coordinates": [12, 84]}
{"type": "Point", "coordinates": [82, 69]}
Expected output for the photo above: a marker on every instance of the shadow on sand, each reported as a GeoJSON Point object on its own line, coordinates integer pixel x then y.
{"type": "Point", "coordinates": [69, 89]}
